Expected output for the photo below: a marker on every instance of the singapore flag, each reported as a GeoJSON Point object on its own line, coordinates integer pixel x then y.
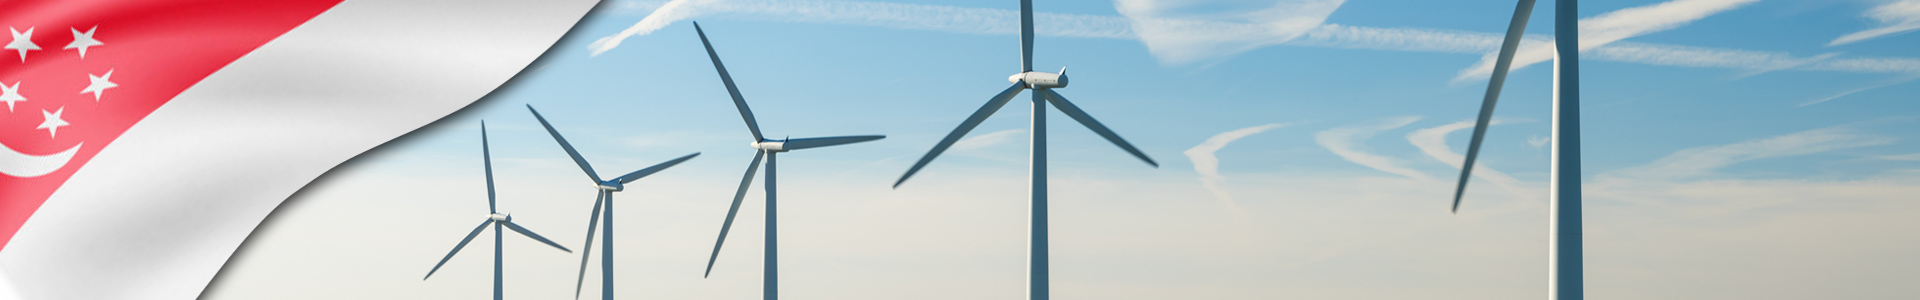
{"type": "Point", "coordinates": [142, 140]}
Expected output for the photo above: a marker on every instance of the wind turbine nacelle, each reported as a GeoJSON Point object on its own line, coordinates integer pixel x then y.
{"type": "Point", "coordinates": [1039, 80]}
{"type": "Point", "coordinates": [500, 217]}
{"type": "Point", "coordinates": [775, 146]}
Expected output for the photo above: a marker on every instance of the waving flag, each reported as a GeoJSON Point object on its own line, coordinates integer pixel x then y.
{"type": "Point", "coordinates": [143, 140]}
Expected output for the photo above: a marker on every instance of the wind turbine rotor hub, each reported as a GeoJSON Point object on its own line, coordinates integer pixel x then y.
{"type": "Point", "coordinates": [612, 186]}
{"type": "Point", "coordinates": [500, 217]}
{"type": "Point", "coordinates": [770, 145]}
{"type": "Point", "coordinates": [1040, 80]}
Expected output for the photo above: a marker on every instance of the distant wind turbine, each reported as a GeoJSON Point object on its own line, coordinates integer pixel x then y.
{"type": "Point", "coordinates": [1564, 265]}
{"type": "Point", "coordinates": [495, 218]}
{"type": "Point", "coordinates": [604, 198]}
{"type": "Point", "coordinates": [770, 286]}
{"type": "Point", "coordinates": [1042, 84]}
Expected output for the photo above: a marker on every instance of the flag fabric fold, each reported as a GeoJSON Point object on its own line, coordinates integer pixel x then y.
{"type": "Point", "coordinates": [144, 140]}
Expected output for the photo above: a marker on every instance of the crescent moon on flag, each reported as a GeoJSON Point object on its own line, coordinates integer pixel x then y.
{"type": "Point", "coordinates": [16, 164]}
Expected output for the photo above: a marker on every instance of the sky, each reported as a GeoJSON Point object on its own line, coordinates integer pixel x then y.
{"type": "Point", "coordinates": [1732, 149]}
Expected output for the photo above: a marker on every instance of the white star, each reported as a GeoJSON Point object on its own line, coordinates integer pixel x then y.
{"type": "Point", "coordinates": [53, 122]}
{"type": "Point", "coordinates": [97, 84]}
{"type": "Point", "coordinates": [82, 40]}
{"type": "Point", "coordinates": [22, 42]}
{"type": "Point", "coordinates": [11, 94]}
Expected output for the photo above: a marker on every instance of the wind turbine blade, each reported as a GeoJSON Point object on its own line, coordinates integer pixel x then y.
{"type": "Point", "coordinates": [738, 102]}
{"type": "Point", "coordinates": [486, 157]}
{"type": "Point", "coordinates": [1026, 35]}
{"type": "Point", "coordinates": [797, 144]}
{"type": "Point", "coordinates": [456, 248]}
{"type": "Point", "coordinates": [1500, 66]}
{"type": "Point", "coordinates": [738, 194]}
{"type": "Point", "coordinates": [636, 175]}
{"type": "Point", "coordinates": [564, 145]}
{"type": "Point", "coordinates": [965, 126]}
{"type": "Point", "coordinates": [1068, 108]}
{"type": "Point", "coordinates": [587, 250]}
{"type": "Point", "coordinates": [536, 237]}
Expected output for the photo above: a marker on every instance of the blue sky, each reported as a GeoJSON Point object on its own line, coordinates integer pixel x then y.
{"type": "Point", "coordinates": [813, 79]}
{"type": "Point", "coordinates": [1747, 139]}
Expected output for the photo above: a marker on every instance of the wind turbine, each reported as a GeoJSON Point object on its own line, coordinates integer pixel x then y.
{"type": "Point", "coordinates": [1564, 265]}
{"type": "Point", "coordinates": [1042, 84]}
{"type": "Point", "coordinates": [770, 284]}
{"type": "Point", "coordinates": [495, 218]}
{"type": "Point", "coordinates": [604, 198]}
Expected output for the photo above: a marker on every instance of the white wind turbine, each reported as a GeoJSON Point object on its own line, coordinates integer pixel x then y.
{"type": "Point", "coordinates": [604, 198]}
{"type": "Point", "coordinates": [1564, 265]}
{"type": "Point", "coordinates": [770, 274]}
{"type": "Point", "coordinates": [495, 218]}
{"type": "Point", "coordinates": [1042, 84]}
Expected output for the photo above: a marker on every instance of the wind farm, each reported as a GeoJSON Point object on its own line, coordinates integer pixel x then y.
{"type": "Point", "coordinates": [1293, 149]}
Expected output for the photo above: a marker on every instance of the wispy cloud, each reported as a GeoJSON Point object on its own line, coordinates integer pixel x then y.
{"type": "Point", "coordinates": [1686, 182]}
{"type": "Point", "coordinates": [1433, 142]}
{"type": "Point", "coordinates": [1699, 161]}
{"type": "Point", "coordinates": [879, 14]}
{"type": "Point", "coordinates": [1905, 157]}
{"type": "Point", "coordinates": [1466, 42]}
{"type": "Point", "coordinates": [1402, 39]}
{"type": "Point", "coordinates": [1785, 64]}
{"type": "Point", "coordinates": [665, 14]}
{"type": "Point", "coordinates": [1176, 35]}
{"type": "Point", "coordinates": [1895, 18]}
{"type": "Point", "coordinates": [628, 6]}
{"type": "Point", "coordinates": [1612, 27]}
{"type": "Point", "coordinates": [1206, 45]}
{"type": "Point", "coordinates": [1174, 38]}
{"type": "Point", "coordinates": [987, 140]}
{"type": "Point", "coordinates": [1885, 83]}
{"type": "Point", "coordinates": [1208, 165]}
{"type": "Point", "coordinates": [1345, 142]}
{"type": "Point", "coordinates": [1870, 65]}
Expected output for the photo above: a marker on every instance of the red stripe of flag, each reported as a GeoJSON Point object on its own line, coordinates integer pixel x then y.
{"type": "Point", "coordinates": [154, 49]}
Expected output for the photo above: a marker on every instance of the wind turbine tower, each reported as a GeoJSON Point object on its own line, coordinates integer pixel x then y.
{"type": "Point", "coordinates": [767, 148]}
{"type": "Point", "coordinates": [1043, 84]}
{"type": "Point", "coordinates": [1565, 268]}
{"type": "Point", "coordinates": [495, 218]}
{"type": "Point", "coordinates": [603, 199]}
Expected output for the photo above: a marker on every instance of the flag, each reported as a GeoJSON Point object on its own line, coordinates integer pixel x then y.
{"type": "Point", "coordinates": [143, 140]}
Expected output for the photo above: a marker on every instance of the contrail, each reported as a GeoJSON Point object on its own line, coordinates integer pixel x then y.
{"type": "Point", "coordinates": [1612, 27]}
{"type": "Point", "coordinates": [1433, 142]}
{"type": "Point", "coordinates": [1208, 165]}
{"type": "Point", "coordinates": [1345, 142]}
{"type": "Point", "coordinates": [1898, 16]}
